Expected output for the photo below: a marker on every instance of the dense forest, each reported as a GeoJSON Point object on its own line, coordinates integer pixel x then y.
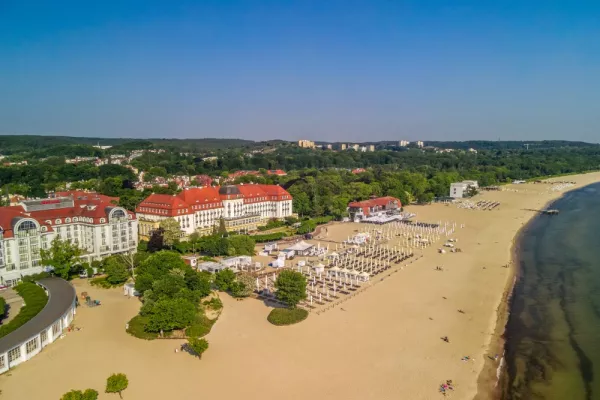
{"type": "Point", "coordinates": [320, 180]}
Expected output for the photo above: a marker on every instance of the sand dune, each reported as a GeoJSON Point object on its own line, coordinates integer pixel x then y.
{"type": "Point", "coordinates": [384, 344]}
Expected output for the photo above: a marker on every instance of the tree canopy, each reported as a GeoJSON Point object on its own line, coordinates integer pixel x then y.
{"type": "Point", "coordinates": [290, 287]}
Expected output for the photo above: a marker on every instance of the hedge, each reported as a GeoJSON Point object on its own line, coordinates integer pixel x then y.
{"type": "Point", "coordinates": [287, 316]}
{"type": "Point", "coordinates": [2, 308]}
{"type": "Point", "coordinates": [35, 299]}
{"type": "Point", "coordinates": [137, 328]}
{"type": "Point", "coordinates": [271, 237]}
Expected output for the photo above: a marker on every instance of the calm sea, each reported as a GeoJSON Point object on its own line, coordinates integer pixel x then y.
{"type": "Point", "coordinates": [553, 332]}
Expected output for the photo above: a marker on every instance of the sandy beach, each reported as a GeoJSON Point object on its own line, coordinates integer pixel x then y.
{"type": "Point", "coordinates": [381, 344]}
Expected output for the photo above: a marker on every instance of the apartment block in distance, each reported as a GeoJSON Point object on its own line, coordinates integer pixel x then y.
{"type": "Point", "coordinates": [307, 144]}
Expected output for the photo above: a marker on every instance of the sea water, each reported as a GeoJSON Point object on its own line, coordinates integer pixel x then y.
{"type": "Point", "coordinates": [553, 332]}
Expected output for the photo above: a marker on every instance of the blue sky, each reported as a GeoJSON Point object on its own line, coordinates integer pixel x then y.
{"type": "Point", "coordinates": [327, 70]}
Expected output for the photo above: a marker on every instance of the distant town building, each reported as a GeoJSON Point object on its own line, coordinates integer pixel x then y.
{"type": "Point", "coordinates": [237, 174]}
{"type": "Point", "coordinates": [403, 143]}
{"type": "Point", "coordinates": [355, 147]}
{"type": "Point", "coordinates": [358, 171]}
{"type": "Point", "coordinates": [307, 144]}
{"type": "Point", "coordinates": [371, 147]}
{"type": "Point", "coordinates": [458, 190]}
{"type": "Point", "coordinates": [420, 144]}
{"type": "Point", "coordinates": [363, 149]}
{"type": "Point", "coordinates": [278, 172]}
{"type": "Point", "coordinates": [373, 207]}
{"type": "Point", "coordinates": [472, 150]}
{"type": "Point", "coordinates": [91, 221]}
{"type": "Point", "coordinates": [102, 147]}
{"type": "Point", "coordinates": [242, 207]}
{"type": "Point", "coordinates": [343, 146]}
{"type": "Point", "coordinates": [329, 147]}
{"type": "Point", "coordinates": [202, 180]}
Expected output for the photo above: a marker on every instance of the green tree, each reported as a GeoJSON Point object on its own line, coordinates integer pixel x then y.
{"type": "Point", "coordinates": [169, 314]}
{"type": "Point", "coordinates": [156, 266]}
{"type": "Point", "coordinates": [116, 383]}
{"type": "Point", "coordinates": [222, 229]}
{"type": "Point", "coordinates": [194, 240]}
{"type": "Point", "coordinates": [115, 270]}
{"type": "Point", "coordinates": [167, 286]}
{"type": "Point", "coordinates": [291, 287]}
{"type": "Point", "coordinates": [241, 245]}
{"type": "Point", "coordinates": [63, 256]}
{"type": "Point", "coordinates": [198, 346]}
{"type": "Point", "coordinates": [171, 231]}
{"type": "Point", "coordinates": [243, 286]}
{"type": "Point", "coordinates": [224, 279]}
{"type": "Point", "coordinates": [88, 394]}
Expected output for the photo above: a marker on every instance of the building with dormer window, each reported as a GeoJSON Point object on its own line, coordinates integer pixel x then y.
{"type": "Point", "coordinates": [243, 208]}
{"type": "Point", "coordinates": [91, 221]}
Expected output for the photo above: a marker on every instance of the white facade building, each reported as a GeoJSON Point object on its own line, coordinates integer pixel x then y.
{"type": "Point", "coordinates": [458, 190]}
{"type": "Point", "coordinates": [43, 329]}
{"type": "Point", "coordinates": [88, 220]}
{"type": "Point", "coordinates": [242, 207]}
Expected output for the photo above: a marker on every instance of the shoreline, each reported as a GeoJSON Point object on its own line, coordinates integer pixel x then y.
{"type": "Point", "coordinates": [492, 377]}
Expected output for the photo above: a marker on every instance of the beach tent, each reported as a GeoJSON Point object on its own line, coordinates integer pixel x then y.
{"type": "Point", "coordinates": [334, 271]}
{"type": "Point", "coordinates": [279, 263]}
{"type": "Point", "coordinates": [319, 268]}
{"type": "Point", "coordinates": [301, 248]}
{"type": "Point", "coordinates": [363, 276]}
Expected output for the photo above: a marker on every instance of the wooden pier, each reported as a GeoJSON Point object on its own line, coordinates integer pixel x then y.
{"type": "Point", "coordinates": [550, 212]}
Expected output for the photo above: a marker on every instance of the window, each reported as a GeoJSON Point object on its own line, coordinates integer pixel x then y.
{"type": "Point", "coordinates": [14, 354]}
{"type": "Point", "coordinates": [58, 221]}
{"type": "Point", "coordinates": [68, 220]}
{"type": "Point", "coordinates": [102, 220]}
{"type": "Point", "coordinates": [44, 336]}
{"type": "Point", "coordinates": [2, 362]}
{"type": "Point", "coordinates": [31, 346]}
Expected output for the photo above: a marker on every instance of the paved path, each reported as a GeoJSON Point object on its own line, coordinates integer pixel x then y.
{"type": "Point", "coordinates": [14, 303]}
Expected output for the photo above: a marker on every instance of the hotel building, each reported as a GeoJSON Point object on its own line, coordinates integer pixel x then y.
{"type": "Point", "coordinates": [243, 208]}
{"type": "Point", "coordinates": [89, 220]}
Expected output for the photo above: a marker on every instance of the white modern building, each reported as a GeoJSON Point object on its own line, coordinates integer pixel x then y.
{"type": "Point", "coordinates": [458, 190]}
{"type": "Point", "coordinates": [91, 221]}
{"type": "Point", "coordinates": [43, 329]}
{"type": "Point", "coordinates": [242, 207]}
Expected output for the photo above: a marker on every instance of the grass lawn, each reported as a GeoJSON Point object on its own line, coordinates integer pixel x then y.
{"type": "Point", "coordinates": [287, 316]}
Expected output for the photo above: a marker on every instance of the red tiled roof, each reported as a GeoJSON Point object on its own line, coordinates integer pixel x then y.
{"type": "Point", "coordinates": [366, 205]}
{"type": "Point", "coordinates": [209, 198]}
{"type": "Point", "coordinates": [163, 204]}
{"type": "Point", "coordinates": [94, 208]}
{"type": "Point", "coordinates": [201, 198]}
{"type": "Point", "coordinates": [83, 195]}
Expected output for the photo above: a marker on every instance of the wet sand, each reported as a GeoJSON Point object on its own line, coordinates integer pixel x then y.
{"type": "Point", "coordinates": [384, 344]}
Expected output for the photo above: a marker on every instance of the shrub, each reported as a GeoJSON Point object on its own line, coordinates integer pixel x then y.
{"type": "Point", "coordinates": [198, 346]}
{"type": "Point", "coordinates": [137, 328]}
{"type": "Point", "coordinates": [35, 299]}
{"type": "Point", "coordinates": [201, 326]}
{"type": "Point", "coordinates": [215, 303]}
{"type": "Point", "coordinates": [36, 277]}
{"type": "Point", "coordinates": [2, 308]}
{"type": "Point", "coordinates": [102, 282]}
{"type": "Point", "coordinates": [287, 316]}
{"type": "Point", "coordinates": [272, 237]}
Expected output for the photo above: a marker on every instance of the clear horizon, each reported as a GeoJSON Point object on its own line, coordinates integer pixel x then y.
{"type": "Point", "coordinates": [351, 71]}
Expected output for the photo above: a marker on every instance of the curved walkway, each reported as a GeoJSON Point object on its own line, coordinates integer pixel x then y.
{"type": "Point", "coordinates": [44, 328]}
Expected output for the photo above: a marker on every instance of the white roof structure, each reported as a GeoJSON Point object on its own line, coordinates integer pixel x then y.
{"type": "Point", "coordinates": [334, 269]}
{"type": "Point", "coordinates": [300, 246]}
